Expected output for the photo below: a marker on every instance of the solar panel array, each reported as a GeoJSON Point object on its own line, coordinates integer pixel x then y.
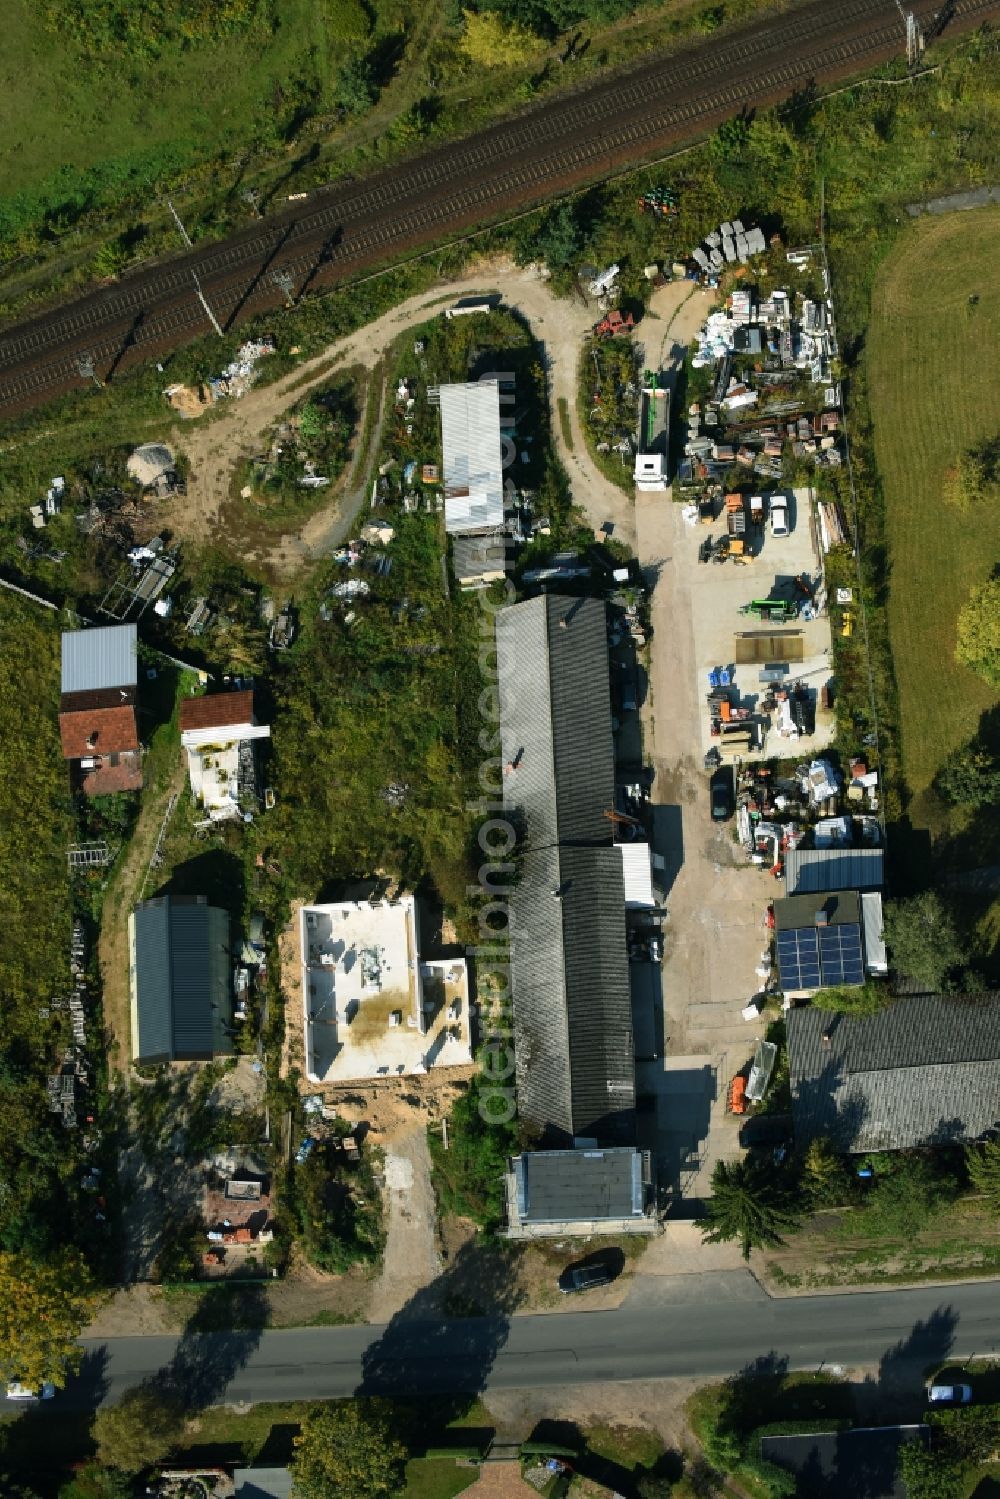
{"type": "Point", "coordinates": [820, 958]}
{"type": "Point", "coordinates": [798, 959]}
{"type": "Point", "coordinates": [840, 955]}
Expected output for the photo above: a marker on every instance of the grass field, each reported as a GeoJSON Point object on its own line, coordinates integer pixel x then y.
{"type": "Point", "coordinates": [839, 1248]}
{"type": "Point", "coordinates": [932, 393]}
{"type": "Point", "coordinates": [186, 104]}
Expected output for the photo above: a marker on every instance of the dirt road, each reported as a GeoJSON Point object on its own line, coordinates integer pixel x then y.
{"type": "Point", "coordinates": [216, 446]}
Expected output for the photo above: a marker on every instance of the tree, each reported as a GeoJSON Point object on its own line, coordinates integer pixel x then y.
{"type": "Point", "coordinates": [909, 1192]}
{"type": "Point", "coordinates": [732, 137]}
{"type": "Point", "coordinates": [983, 1165]}
{"type": "Point", "coordinates": [494, 43]}
{"type": "Point", "coordinates": [751, 1202]}
{"type": "Point", "coordinates": [349, 1451]}
{"type": "Point", "coordinates": [355, 88]}
{"type": "Point", "coordinates": [970, 778]}
{"type": "Point", "coordinates": [978, 645]}
{"type": "Point", "coordinates": [560, 238]}
{"type": "Point", "coordinates": [928, 1474]}
{"type": "Point", "coordinates": [823, 1173]}
{"type": "Point", "coordinates": [976, 476]}
{"type": "Point", "coordinates": [94, 1481]}
{"type": "Point", "coordinates": [925, 946]}
{"type": "Point", "coordinates": [314, 422]}
{"type": "Point", "coordinates": [112, 258]}
{"type": "Point", "coordinates": [139, 1430]}
{"type": "Point", "coordinates": [43, 1309]}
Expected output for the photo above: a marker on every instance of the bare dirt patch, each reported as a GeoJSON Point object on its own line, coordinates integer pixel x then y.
{"type": "Point", "coordinates": [649, 1404]}
{"type": "Point", "coordinates": [306, 1295]}
{"type": "Point", "coordinates": [411, 1260]}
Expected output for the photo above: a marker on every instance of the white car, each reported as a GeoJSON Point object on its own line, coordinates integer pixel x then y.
{"type": "Point", "coordinates": [950, 1394]}
{"type": "Point", "coordinates": [18, 1391]}
{"type": "Point", "coordinates": [778, 511]}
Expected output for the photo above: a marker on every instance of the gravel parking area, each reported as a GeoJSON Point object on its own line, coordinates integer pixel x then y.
{"type": "Point", "coordinates": [718, 592]}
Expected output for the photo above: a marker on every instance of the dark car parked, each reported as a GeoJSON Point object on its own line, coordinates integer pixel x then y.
{"type": "Point", "coordinates": [585, 1275]}
{"type": "Point", "coordinates": [721, 795]}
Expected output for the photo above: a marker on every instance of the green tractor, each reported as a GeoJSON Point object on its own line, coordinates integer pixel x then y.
{"type": "Point", "coordinates": [658, 200]}
{"type": "Point", "coordinates": [776, 609]}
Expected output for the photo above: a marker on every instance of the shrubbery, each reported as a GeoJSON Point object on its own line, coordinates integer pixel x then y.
{"type": "Point", "coordinates": [112, 24]}
{"type": "Point", "coordinates": [335, 1209]}
{"type": "Point", "coordinates": [469, 1175]}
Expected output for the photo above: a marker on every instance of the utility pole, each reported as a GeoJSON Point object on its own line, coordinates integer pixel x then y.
{"type": "Point", "coordinates": [208, 311]}
{"type": "Point", "coordinates": [197, 284]}
{"type": "Point", "coordinates": [85, 366]}
{"type": "Point", "coordinates": [285, 281]}
{"type": "Point", "coordinates": [177, 220]}
{"type": "Point", "coordinates": [914, 36]}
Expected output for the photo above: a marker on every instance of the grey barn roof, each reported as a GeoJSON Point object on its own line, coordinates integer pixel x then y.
{"type": "Point", "coordinates": [819, 869]}
{"type": "Point", "coordinates": [99, 658]}
{"type": "Point", "coordinates": [555, 717]}
{"type": "Point", "coordinates": [569, 959]}
{"type": "Point", "coordinates": [570, 987]}
{"type": "Point", "coordinates": [925, 1071]}
{"type": "Point", "coordinates": [182, 980]}
{"type": "Point", "coordinates": [556, 1186]}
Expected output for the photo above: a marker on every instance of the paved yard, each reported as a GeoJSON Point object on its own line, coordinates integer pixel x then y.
{"type": "Point", "coordinates": [717, 593]}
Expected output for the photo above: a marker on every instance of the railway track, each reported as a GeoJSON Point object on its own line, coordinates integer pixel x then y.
{"type": "Point", "coordinates": [564, 142]}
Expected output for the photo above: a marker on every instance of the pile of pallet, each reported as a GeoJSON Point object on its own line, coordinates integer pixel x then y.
{"type": "Point", "coordinates": [832, 531]}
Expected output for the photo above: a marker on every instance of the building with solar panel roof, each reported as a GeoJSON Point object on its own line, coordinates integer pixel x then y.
{"type": "Point", "coordinates": [819, 941]}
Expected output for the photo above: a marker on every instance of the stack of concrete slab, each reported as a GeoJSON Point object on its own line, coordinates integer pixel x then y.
{"type": "Point", "coordinates": [730, 243]}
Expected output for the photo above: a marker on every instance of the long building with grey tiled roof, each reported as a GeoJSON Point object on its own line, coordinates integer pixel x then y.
{"type": "Point", "coordinates": [569, 959]}
{"type": "Point", "coordinates": [924, 1071]}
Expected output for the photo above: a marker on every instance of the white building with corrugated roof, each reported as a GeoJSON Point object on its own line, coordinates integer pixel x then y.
{"type": "Point", "coordinates": [473, 467]}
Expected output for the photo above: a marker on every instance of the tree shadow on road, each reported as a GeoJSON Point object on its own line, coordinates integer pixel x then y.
{"type": "Point", "coordinates": [206, 1359]}
{"type": "Point", "coordinates": [214, 1346]}
{"type": "Point", "coordinates": [448, 1336]}
{"type": "Point", "coordinates": [897, 1390]}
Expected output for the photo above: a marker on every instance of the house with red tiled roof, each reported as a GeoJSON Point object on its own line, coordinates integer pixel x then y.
{"type": "Point", "coordinates": [97, 709]}
{"type": "Point", "coordinates": [500, 1478]}
{"type": "Point", "coordinates": [218, 733]}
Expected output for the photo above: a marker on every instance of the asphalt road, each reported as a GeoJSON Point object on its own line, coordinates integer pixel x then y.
{"type": "Point", "coordinates": [899, 1334]}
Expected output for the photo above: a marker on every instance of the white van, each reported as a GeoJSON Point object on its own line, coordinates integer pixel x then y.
{"type": "Point", "coordinates": [778, 510]}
